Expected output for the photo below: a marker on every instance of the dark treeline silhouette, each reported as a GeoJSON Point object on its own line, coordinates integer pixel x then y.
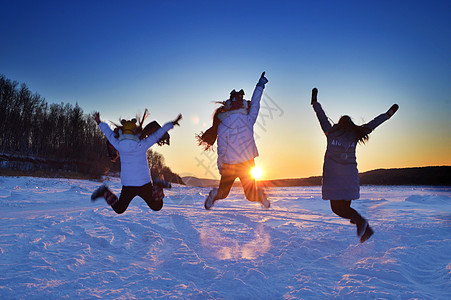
{"type": "Point", "coordinates": [35, 135]}
{"type": "Point", "coordinates": [436, 175]}
{"type": "Point", "coordinates": [159, 169]}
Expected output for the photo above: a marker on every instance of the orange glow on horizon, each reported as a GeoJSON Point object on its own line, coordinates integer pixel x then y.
{"type": "Point", "coordinates": [257, 172]}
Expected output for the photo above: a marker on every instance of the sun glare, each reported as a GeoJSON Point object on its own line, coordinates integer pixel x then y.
{"type": "Point", "coordinates": [257, 173]}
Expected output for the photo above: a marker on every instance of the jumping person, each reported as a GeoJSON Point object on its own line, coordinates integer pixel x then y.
{"type": "Point", "coordinates": [139, 132]}
{"type": "Point", "coordinates": [340, 175]}
{"type": "Point", "coordinates": [233, 127]}
{"type": "Point", "coordinates": [135, 172]}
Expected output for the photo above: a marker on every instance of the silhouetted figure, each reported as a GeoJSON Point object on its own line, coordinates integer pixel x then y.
{"type": "Point", "coordinates": [340, 175]}
{"type": "Point", "coordinates": [138, 132]}
{"type": "Point", "coordinates": [135, 171]}
{"type": "Point", "coordinates": [233, 127]}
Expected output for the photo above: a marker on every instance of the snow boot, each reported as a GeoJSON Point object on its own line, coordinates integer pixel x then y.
{"type": "Point", "coordinates": [211, 198]}
{"type": "Point", "coordinates": [360, 223]}
{"type": "Point", "coordinates": [105, 192]}
{"type": "Point", "coordinates": [162, 183]}
{"type": "Point", "coordinates": [368, 233]}
{"type": "Point", "coordinates": [98, 193]}
{"type": "Point", "coordinates": [264, 199]}
{"type": "Point", "coordinates": [157, 193]}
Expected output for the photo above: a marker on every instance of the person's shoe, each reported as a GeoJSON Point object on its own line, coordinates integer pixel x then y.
{"type": "Point", "coordinates": [264, 199]}
{"type": "Point", "coordinates": [99, 193]}
{"type": "Point", "coordinates": [157, 193]}
{"type": "Point", "coordinates": [162, 183]}
{"type": "Point", "coordinates": [211, 198]}
{"type": "Point", "coordinates": [368, 233]}
{"type": "Point", "coordinates": [360, 223]}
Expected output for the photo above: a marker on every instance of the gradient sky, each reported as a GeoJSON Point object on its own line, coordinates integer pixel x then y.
{"type": "Point", "coordinates": [173, 57]}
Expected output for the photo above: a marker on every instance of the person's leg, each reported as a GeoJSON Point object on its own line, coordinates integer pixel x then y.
{"type": "Point", "coordinates": [152, 195]}
{"type": "Point", "coordinates": [343, 209]}
{"type": "Point", "coordinates": [227, 179]}
{"type": "Point", "coordinates": [251, 190]}
{"type": "Point", "coordinates": [247, 181]}
{"type": "Point", "coordinates": [249, 187]}
{"type": "Point", "coordinates": [228, 176]}
{"type": "Point", "coordinates": [104, 192]}
{"type": "Point", "coordinates": [127, 195]}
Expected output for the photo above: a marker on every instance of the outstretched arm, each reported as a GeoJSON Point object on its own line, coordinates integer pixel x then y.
{"type": "Point", "coordinates": [382, 118]}
{"type": "Point", "coordinates": [157, 135]}
{"type": "Point", "coordinates": [320, 114]}
{"type": "Point", "coordinates": [109, 134]}
{"type": "Point", "coordinates": [256, 98]}
{"type": "Point", "coordinates": [176, 121]}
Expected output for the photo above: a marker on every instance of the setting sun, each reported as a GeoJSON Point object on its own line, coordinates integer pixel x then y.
{"type": "Point", "coordinates": [257, 173]}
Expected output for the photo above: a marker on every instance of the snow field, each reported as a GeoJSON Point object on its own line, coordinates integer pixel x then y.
{"type": "Point", "coordinates": [55, 243]}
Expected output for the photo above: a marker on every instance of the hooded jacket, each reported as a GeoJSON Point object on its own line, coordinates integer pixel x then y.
{"type": "Point", "coordinates": [236, 143]}
{"type": "Point", "coordinates": [135, 169]}
{"type": "Point", "coordinates": [340, 174]}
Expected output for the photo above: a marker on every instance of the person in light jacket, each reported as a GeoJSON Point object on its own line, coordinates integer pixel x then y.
{"type": "Point", "coordinates": [135, 171]}
{"type": "Point", "coordinates": [233, 128]}
{"type": "Point", "coordinates": [340, 183]}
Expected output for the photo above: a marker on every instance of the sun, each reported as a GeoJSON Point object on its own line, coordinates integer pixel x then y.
{"type": "Point", "coordinates": [257, 173]}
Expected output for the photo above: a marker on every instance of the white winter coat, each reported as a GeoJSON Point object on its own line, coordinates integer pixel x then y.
{"type": "Point", "coordinates": [135, 169]}
{"type": "Point", "coordinates": [236, 143]}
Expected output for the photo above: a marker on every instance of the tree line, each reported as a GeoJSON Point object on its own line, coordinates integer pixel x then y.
{"type": "Point", "coordinates": [37, 135]}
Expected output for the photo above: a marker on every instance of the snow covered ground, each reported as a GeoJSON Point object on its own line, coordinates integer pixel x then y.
{"type": "Point", "coordinates": [55, 243]}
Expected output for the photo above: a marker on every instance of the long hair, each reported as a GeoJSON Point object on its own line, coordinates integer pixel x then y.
{"type": "Point", "coordinates": [347, 125]}
{"type": "Point", "coordinates": [208, 138]}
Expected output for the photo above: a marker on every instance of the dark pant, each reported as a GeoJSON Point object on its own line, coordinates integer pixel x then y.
{"type": "Point", "coordinates": [343, 209]}
{"type": "Point", "coordinates": [130, 192]}
{"type": "Point", "coordinates": [242, 170]}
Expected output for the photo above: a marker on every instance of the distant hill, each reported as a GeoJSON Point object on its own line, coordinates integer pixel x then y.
{"type": "Point", "coordinates": [439, 176]}
{"type": "Point", "coordinates": [408, 176]}
{"type": "Point", "coordinates": [194, 181]}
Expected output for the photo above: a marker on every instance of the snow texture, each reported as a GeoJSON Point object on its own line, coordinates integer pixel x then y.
{"type": "Point", "coordinates": [57, 244]}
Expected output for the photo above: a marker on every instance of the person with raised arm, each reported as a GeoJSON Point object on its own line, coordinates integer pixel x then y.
{"type": "Point", "coordinates": [135, 171]}
{"type": "Point", "coordinates": [233, 128]}
{"type": "Point", "coordinates": [340, 182]}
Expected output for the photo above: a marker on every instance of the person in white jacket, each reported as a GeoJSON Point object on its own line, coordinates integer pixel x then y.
{"type": "Point", "coordinates": [233, 127]}
{"type": "Point", "coordinates": [135, 171]}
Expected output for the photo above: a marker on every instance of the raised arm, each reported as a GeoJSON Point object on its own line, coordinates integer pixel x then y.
{"type": "Point", "coordinates": [381, 118]}
{"type": "Point", "coordinates": [157, 135]}
{"type": "Point", "coordinates": [320, 114]}
{"type": "Point", "coordinates": [256, 98]}
{"type": "Point", "coordinates": [109, 134]}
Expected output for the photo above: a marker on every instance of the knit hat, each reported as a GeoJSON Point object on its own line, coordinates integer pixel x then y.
{"type": "Point", "coordinates": [233, 93]}
{"type": "Point", "coordinates": [128, 126]}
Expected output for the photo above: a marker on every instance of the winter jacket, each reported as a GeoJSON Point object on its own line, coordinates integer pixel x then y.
{"type": "Point", "coordinates": [236, 142]}
{"type": "Point", "coordinates": [134, 166]}
{"type": "Point", "coordinates": [340, 174]}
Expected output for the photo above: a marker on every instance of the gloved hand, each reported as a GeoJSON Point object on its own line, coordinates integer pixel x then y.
{"type": "Point", "coordinates": [314, 96]}
{"type": "Point", "coordinates": [262, 81]}
{"type": "Point", "coordinates": [176, 121]}
{"type": "Point", "coordinates": [392, 110]}
{"type": "Point", "coordinates": [97, 117]}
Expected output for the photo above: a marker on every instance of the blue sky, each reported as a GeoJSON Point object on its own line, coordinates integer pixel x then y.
{"type": "Point", "coordinates": [174, 57]}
